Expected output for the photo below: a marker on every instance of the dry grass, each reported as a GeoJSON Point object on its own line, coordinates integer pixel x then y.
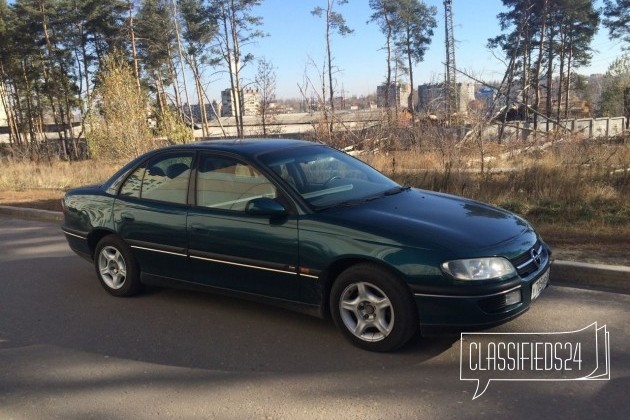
{"type": "Point", "coordinates": [576, 193]}
{"type": "Point", "coordinates": [567, 184]}
{"type": "Point", "coordinates": [18, 175]}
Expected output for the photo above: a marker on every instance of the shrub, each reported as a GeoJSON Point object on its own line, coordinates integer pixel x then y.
{"type": "Point", "coordinates": [116, 127]}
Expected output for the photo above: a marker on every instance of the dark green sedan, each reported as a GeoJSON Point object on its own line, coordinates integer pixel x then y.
{"type": "Point", "coordinates": [310, 228]}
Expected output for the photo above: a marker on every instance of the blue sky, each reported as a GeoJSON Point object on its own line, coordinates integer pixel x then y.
{"type": "Point", "coordinates": [296, 37]}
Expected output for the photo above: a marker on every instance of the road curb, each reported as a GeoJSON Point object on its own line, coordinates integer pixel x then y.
{"type": "Point", "coordinates": [597, 276]}
{"type": "Point", "coordinates": [32, 214]}
{"type": "Point", "coordinates": [563, 273]}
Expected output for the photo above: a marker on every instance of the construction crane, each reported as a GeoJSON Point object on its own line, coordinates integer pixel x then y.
{"type": "Point", "coordinates": [450, 83]}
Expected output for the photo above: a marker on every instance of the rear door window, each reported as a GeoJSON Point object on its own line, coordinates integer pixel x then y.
{"type": "Point", "coordinates": [165, 178]}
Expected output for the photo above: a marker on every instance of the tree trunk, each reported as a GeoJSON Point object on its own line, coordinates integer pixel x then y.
{"type": "Point", "coordinates": [541, 45]}
{"type": "Point", "coordinates": [331, 89]}
{"type": "Point", "coordinates": [4, 101]}
{"type": "Point", "coordinates": [86, 68]}
{"type": "Point", "coordinates": [29, 112]}
{"type": "Point", "coordinates": [18, 116]}
{"type": "Point", "coordinates": [550, 59]}
{"type": "Point", "coordinates": [134, 53]}
{"type": "Point", "coordinates": [410, 99]}
{"type": "Point", "coordinates": [172, 70]}
{"type": "Point", "coordinates": [181, 63]}
{"type": "Point", "coordinates": [561, 76]}
{"type": "Point", "coordinates": [200, 100]}
{"type": "Point", "coordinates": [233, 83]}
{"type": "Point", "coordinates": [568, 87]}
{"type": "Point", "coordinates": [237, 63]}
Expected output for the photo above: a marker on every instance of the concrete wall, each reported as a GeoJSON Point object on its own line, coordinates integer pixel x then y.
{"type": "Point", "coordinates": [585, 127]}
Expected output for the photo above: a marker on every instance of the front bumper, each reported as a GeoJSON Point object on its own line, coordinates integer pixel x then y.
{"type": "Point", "coordinates": [479, 309]}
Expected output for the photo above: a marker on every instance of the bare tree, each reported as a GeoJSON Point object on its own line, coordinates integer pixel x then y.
{"type": "Point", "coordinates": [237, 30]}
{"type": "Point", "coordinates": [266, 82]}
{"type": "Point", "coordinates": [335, 22]}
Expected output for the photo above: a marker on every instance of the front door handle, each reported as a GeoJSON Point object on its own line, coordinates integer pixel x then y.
{"type": "Point", "coordinates": [197, 227]}
{"type": "Point", "coordinates": [127, 217]}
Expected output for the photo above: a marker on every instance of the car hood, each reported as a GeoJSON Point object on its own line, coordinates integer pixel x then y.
{"type": "Point", "coordinates": [423, 218]}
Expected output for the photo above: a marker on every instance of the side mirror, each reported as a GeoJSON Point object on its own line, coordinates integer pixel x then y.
{"type": "Point", "coordinates": [265, 206]}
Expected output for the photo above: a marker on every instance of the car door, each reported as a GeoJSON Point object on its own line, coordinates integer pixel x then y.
{"type": "Point", "coordinates": [231, 248]}
{"type": "Point", "coordinates": [150, 214]}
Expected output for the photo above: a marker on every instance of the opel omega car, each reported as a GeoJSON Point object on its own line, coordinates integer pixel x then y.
{"type": "Point", "coordinates": [310, 228]}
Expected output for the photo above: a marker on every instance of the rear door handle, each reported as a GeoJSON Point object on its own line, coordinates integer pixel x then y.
{"type": "Point", "coordinates": [127, 216]}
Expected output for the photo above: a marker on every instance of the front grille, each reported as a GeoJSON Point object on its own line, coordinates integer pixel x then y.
{"type": "Point", "coordinates": [526, 263]}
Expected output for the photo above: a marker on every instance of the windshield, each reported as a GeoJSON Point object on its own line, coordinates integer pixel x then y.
{"type": "Point", "coordinates": [326, 177]}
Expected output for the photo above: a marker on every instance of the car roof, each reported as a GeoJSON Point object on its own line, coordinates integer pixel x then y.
{"type": "Point", "coordinates": [246, 147]}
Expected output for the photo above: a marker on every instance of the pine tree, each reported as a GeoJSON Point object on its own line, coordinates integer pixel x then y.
{"type": "Point", "coordinates": [413, 30]}
{"type": "Point", "coordinates": [617, 20]}
{"type": "Point", "coordinates": [384, 14]}
{"type": "Point", "coordinates": [199, 27]}
{"type": "Point", "coordinates": [616, 91]}
{"type": "Point", "coordinates": [540, 37]}
{"type": "Point", "coordinates": [154, 28]}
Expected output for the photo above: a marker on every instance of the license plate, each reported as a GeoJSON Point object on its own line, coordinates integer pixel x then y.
{"type": "Point", "coordinates": [540, 284]}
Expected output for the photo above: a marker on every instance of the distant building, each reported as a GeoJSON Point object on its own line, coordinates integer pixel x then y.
{"type": "Point", "coordinates": [250, 99]}
{"type": "Point", "coordinates": [431, 97]}
{"type": "Point", "coordinates": [486, 96]}
{"type": "Point", "coordinates": [196, 111]}
{"type": "Point", "coordinates": [227, 101]}
{"type": "Point", "coordinates": [396, 95]}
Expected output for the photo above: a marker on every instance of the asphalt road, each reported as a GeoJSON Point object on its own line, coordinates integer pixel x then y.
{"type": "Point", "coordinates": [69, 350]}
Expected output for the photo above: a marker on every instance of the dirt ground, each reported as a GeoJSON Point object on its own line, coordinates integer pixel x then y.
{"type": "Point", "coordinates": [609, 246]}
{"type": "Point", "coordinates": [43, 199]}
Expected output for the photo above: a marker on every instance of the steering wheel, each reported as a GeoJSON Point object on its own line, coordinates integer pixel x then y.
{"type": "Point", "coordinates": [332, 178]}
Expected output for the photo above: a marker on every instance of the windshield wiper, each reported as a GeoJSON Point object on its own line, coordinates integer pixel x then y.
{"type": "Point", "coordinates": [350, 203]}
{"type": "Point", "coordinates": [396, 190]}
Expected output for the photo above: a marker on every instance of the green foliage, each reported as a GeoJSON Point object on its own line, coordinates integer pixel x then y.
{"type": "Point", "coordinates": [414, 28]}
{"type": "Point", "coordinates": [334, 20]}
{"type": "Point", "coordinates": [199, 26]}
{"type": "Point", "coordinates": [173, 128]}
{"type": "Point", "coordinates": [617, 19]}
{"type": "Point", "coordinates": [616, 80]}
{"type": "Point", "coordinates": [408, 25]}
{"type": "Point", "coordinates": [117, 127]}
{"type": "Point", "coordinates": [156, 34]}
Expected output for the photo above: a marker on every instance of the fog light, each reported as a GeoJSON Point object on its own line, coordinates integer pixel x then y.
{"type": "Point", "coordinates": [513, 297]}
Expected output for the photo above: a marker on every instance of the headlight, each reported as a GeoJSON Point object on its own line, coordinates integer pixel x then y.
{"type": "Point", "coordinates": [479, 268]}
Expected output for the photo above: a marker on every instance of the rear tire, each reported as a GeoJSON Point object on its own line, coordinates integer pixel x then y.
{"type": "Point", "coordinates": [373, 309]}
{"type": "Point", "coordinates": [116, 268]}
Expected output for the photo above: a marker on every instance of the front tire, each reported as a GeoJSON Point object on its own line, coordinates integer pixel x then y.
{"type": "Point", "coordinates": [116, 267]}
{"type": "Point", "coordinates": [373, 309]}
